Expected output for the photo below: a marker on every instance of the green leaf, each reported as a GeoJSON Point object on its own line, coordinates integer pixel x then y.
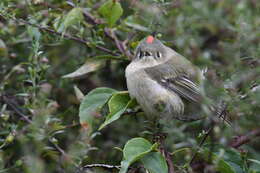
{"type": "Point", "coordinates": [134, 150]}
{"type": "Point", "coordinates": [254, 166]}
{"type": "Point", "coordinates": [34, 33]}
{"type": "Point", "coordinates": [117, 105]}
{"type": "Point", "coordinates": [111, 11]}
{"type": "Point", "coordinates": [91, 105]}
{"type": "Point", "coordinates": [58, 24]}
{"type": "Point", "coordinates": [73, 17]}
{"type": "Point", "coordinates": [227, 160]}
{"type": "Point", "coordinates": [155, 162]}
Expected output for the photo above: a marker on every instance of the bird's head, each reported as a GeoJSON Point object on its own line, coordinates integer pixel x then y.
{"type": "Point", "coordinates": [149, 48]}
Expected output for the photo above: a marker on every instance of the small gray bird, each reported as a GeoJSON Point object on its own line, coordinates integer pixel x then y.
{"type": "Point", "coordinates": [163, 82]}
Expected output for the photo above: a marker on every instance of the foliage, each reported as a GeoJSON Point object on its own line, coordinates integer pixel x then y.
{"type": "Point", "coordinates": [63, 100]}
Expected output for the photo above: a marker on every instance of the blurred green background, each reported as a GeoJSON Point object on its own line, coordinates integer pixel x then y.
{"type": "Point", "coordinates": [222, 35]}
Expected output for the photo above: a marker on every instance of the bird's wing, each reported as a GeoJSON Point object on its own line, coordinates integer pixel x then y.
{"type": "Point", "coordinates": [181, 81]}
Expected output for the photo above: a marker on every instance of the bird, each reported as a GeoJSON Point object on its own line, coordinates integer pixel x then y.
{"type": "Point", "coordinates": [165, 83]}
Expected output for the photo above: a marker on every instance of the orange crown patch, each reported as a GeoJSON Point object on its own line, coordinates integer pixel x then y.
{"type": "Point", "coordinates": [150, 39]}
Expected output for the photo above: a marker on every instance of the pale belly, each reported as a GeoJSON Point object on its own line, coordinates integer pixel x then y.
{"type": "Point", "coordinates": [154, 99]}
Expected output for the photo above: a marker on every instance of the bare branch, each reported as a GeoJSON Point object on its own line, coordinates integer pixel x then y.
{"type": "Point", "coordinates": [240, 140]}
{"type": "Point", "coordinates": [169, 161]}
{"type": "Point", "coordinates": [121, 45]}
{"type": "Point", "coordinates": [201, 143]}
{"type": "Point", "coordinates": [102, 166]}
{"type": "Point", "coordinates": [160, 138]}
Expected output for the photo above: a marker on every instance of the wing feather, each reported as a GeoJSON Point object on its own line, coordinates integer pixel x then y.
{"type": "Point", "coordinates": [178, 80]}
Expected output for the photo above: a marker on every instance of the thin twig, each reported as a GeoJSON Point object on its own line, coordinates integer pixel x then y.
{"type": "Point", "coordinates": [201, 143]}
{"type": "Point", "coordinates": [16, 109]}
{"type": "Point", "coordinates": [169, 161]}
{"type": "Point", "coordinates": [92, 19]}
{"type": "Point", "coordinates": [58, 148]}
{"type": "Point", "coordinates": [212, 125]}
{"type": "Point", "coordinates": [102, 165]}
{"type": "Point", "coordinates": [67, 36]}
{"type": "Point", "coordinates": [159, 138]}
{"type": "Point", "coordinates": [121, 45]}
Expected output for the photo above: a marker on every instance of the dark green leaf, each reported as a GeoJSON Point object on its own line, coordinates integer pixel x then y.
{"type": "Point", "coordinates": [227, 160]}
{"type": "Point", "coordinates": [117, 105]}
{"type": "Point", "coordinates": [134, 150]}
{"type": "Point", "coordinates": [155, 162]}
{"type": "Point", "coordinates": [91, 105]}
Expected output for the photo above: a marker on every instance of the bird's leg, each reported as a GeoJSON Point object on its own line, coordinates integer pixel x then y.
{"type": "Point", "coordinates": [158, 135]}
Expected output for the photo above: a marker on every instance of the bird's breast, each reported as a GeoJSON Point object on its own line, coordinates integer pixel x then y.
{"type": "Point", "coordinates": [153, 97]}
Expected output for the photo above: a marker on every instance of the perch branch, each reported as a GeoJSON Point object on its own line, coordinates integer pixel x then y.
{"type": "Point", "coordinates": [169, 161]}
{"type": "Point", "coordinates": [159, 138]}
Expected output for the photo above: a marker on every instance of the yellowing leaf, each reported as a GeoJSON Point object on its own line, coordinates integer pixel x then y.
{"type": "Point", "coordinates": [78, 93]}
{"type": "Point", "coordinates": [89, 66]}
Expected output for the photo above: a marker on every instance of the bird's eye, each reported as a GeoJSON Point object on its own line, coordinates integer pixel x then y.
{"type": "Point", "coordinates": [140, 54]}
{"type": "Point", "coordinates": [158, 54]}
{"type": "Point", "coordinates": [148, 54]}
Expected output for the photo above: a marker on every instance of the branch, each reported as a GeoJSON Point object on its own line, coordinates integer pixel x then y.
{"type": "Point", "coordinates": [240, 140]}
{"type": "Point", "coordinates": [102, 166]}
{"type": "Point", "coordinates": [67, 36]}
{"type": "Point", "coordinates": [220, 114]}
{"type": "Point", "coordinates": [108, 32]}
{"type": "Point", "coordinates": [121, 45]}
{"type": "Point", "coordinates": [159, 138]}
{"type": "Point", "coordinates": [201, 143]}
{"type": "Point", "coordinates": [16, 109]}
{"type": "Point", "coordinates": [92, 19]}
{"type": "Point", "coordinates": [169, 161]}
{"type": "Point", "coordinates": [88, 17]}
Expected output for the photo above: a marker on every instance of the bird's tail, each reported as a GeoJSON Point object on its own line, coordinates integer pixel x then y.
{"type": "Point", "coordinates": [220, 111]}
